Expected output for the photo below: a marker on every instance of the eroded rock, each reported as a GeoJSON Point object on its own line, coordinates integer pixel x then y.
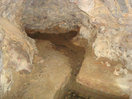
{"type": "Point", "coordinates": [47, 78]}
{"type": "Point", "coordinates": [108, 31]}
{"type": "Point", "coordinates": [16, 48]}
{"type": "Point", "coordinates": [113, 20]}
{"type": "Point", "coordinates": [50, 16]}
{"type": "Point", "coordinates": [99, 77]}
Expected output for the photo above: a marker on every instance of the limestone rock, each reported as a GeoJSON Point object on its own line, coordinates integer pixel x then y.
{"type": "Point", "coordinates": [113, 20]}
{"type": "Point", "coordinates": [16, 48]}
{"type": "Point", "coordinates": [48, 78]}
{"type": "Point", "coordinates": [52, 16]}
{"type": "Point", "coordinates": [98, 77]}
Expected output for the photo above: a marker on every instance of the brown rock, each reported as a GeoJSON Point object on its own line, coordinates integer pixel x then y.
{"type": "Point", "coordinates": [100, 78]}
{"type": "Point", "coordinates": [17, 50]}
{"type": "Point", "coordinates": [52, 16]}
{"type": "Point", "coordinates": [49, 77]}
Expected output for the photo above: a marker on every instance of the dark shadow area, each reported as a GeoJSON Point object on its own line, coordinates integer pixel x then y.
{"type": "Point", "coordinates": [53, 37]}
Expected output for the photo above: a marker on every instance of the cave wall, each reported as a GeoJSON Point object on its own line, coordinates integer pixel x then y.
{"type": "Point", "coordinates": [113, 20]}
{"type": "Point", "coordinates": [16, 49]}
{"type": "Point", "coordinates": [104, 23]}
{"type": "Point", "coordinates": [52, 16]}
{"type": "Point", "coordinates": [113, 39]}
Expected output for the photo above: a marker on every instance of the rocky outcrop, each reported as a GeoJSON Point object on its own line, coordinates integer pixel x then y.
{"type": "Point", "coordinates": [16, 49]}
{"type": "Point", "coordinates": [113, 20]}
{"type": "Point", "coordinates": [113, 39]}
{"type": "Point", "coordinates": [98, 76]}
{"type": "Point", "coordinates": [52, 16]}
{"type": "Point", "coordinates": [104, 23]}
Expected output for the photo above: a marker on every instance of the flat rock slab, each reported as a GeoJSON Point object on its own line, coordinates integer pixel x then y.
{"type": "Point", "coordinates": [54, 73]}
{"type": "Point", "coordinates": [98, 77]}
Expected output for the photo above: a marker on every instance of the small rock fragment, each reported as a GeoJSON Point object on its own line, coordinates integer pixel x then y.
{"type": "Point", "coordinates": [119, 70]}
{"type": "Point", "coordinates": [107, 64]}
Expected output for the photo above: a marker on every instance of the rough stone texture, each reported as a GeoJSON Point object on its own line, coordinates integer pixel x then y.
{"type": "Point", "coordinates": [55, 74]}
{"type": "Point", "coordinates": [52, 16]}
{"type": "Point", "coordinates": [95, 75]}
{"type": "Point", "coordinates": [16, 48]}
{"type": "Point", "coordinates": [112, 18]}
{"type": "Point", "coordinates": [111, 36]}
{"type": "Point", "coordinates": [105, 12]}
{"type": "Point", "coordinates": [50, 74]}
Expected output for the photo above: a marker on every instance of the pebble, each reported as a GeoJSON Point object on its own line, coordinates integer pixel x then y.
{"type": "Point", "coordinates": [107, 64]}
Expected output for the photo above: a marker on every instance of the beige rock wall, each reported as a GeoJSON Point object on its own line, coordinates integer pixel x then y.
{"type": "Point", "coordinates": [113, 20]}
{"type": "Point", "coordinates": [108, 30]}
{"type": "Point", "coordinates": [16, 49]}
